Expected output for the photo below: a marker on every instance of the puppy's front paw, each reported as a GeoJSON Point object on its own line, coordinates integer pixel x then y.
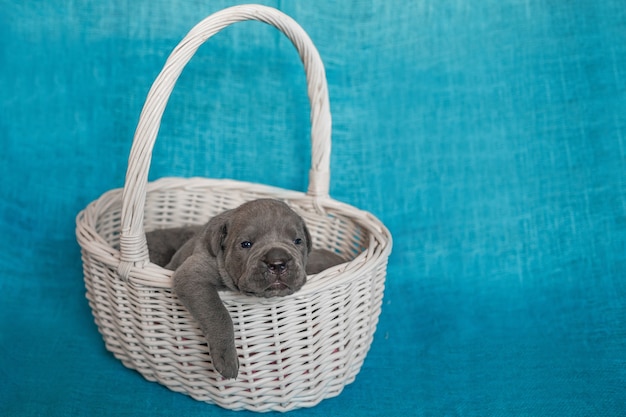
{"type": "Point", "coordinates": [225, 361]}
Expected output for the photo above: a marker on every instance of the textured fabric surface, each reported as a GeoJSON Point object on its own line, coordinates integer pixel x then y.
{"type": "Point", "coordinates": [490, 137]}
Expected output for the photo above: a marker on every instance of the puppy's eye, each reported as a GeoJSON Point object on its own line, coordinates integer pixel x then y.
{"type": "Point", "coordinates": [297, 241]}
{"type": "Point", "coordinates": [246, 244]}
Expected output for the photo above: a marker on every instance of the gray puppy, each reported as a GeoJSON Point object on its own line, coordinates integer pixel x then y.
{"type": "Point", "coordinates": [261, 248]}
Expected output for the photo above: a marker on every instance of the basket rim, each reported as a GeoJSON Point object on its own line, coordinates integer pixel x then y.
{"type": "Point", "coordinates": [148, 274]}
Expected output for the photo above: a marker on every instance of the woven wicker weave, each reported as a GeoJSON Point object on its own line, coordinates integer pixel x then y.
{"type": "Point", "coordinates": [294, 351]}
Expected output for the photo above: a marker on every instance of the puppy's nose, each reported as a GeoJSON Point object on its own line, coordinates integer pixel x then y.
{"type": "Point", "coordinates": [276, 267]}
{"type": "Point", "coordinates": [276, 260]}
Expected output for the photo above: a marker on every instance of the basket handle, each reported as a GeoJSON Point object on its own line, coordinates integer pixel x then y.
{"type": "Point", "coordinates": [133, 247]}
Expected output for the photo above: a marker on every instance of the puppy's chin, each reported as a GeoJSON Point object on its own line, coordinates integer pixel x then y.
{"type": "Point", "coordinates": [280, 289]}
{"type": "Point", "coordinates": [270, 293]}
{"type": "Point", "coordinates": [261, 286]}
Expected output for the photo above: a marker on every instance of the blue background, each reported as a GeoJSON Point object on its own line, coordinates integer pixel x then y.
{"type": "Point", "coordinates": [489, 136]}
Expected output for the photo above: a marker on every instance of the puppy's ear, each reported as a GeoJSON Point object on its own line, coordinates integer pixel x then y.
{"type": "Point", "coordinates": [216, 231]}
{"type": "Point", "coordinates": [307, 236]}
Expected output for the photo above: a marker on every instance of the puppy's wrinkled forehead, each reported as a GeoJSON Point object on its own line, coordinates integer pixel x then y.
{"type": "Point", "coordinates": [263, 217]}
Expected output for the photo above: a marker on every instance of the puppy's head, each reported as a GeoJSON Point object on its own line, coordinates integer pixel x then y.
{"type": "Point", "coordinates": [261, 248]}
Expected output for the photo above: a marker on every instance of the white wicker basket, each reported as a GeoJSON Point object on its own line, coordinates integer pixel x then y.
{"type": "Point", "coordinates": [293, 351]}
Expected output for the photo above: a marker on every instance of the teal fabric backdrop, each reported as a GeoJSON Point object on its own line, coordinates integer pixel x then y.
{"type": "Point", "coordinates": [489, 136]}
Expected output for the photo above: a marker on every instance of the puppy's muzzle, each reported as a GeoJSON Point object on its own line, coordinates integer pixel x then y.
{"type": "Point", "coordinates": [277, 274]}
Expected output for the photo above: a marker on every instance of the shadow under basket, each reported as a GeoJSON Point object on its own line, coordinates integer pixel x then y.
{"type": "Point", "coordinates": [294, 351]}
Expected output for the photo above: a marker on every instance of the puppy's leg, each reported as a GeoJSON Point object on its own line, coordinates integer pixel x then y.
{"type": "Point", "coordinates": [194, 286]}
